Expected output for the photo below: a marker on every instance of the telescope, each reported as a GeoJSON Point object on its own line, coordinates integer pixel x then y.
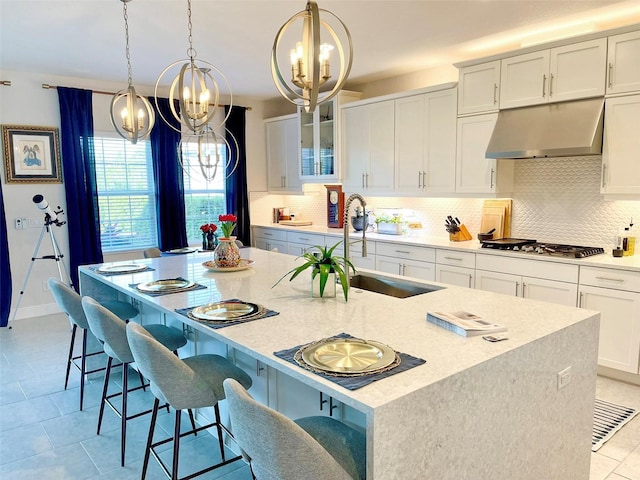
{"type": "Point", "coordinates": [50, 215]}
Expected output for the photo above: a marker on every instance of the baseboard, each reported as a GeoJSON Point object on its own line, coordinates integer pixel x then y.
{"type": "Point", "coordinates": [36, 311]}
{"type": "Point", "coordinates": [619, 375]}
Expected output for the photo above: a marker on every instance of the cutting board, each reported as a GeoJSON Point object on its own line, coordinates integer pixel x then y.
{"type": "Point", "coordinates": [493, 218]}
{"type": "Point", "coordinates": [506, 203]}
{"type": "Point", "coordinates": [296, 223]}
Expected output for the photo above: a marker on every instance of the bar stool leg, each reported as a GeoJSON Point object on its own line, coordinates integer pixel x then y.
{"type": "Point", "coordinates": [83, 367]}
{"type": "Point", "coordinates": [123, 416]}
{"type": "Point", "coordinates": [70, 359]}
{"type": "Point", "coordinates": [176, 446]}
{"type": "Point", "coordinates": [152, 427]}
{"type": "Point", "coordinates": [104, 393]}
{"type": "Point", "coordinates": [216, 409]}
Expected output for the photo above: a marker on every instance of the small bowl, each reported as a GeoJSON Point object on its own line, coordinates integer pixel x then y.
{"type": "Point", "coordinates": [485, 236]}
{"type": "Point", "coordinates": [358, 223]}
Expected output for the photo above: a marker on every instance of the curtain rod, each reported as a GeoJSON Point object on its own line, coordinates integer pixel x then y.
{"type": "Point", "coordinates": [46, 86]}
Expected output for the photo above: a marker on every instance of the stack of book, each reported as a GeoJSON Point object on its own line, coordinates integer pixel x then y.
{"type": "Point", "coordinates": [464, 323]}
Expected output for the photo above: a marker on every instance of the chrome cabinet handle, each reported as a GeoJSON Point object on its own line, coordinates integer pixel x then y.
{"type": "Point", "coordinates": [470, 280]}
{"type": "Point", "coordinates": [523, 287]}
{"type": "Point", "coordinates": [551, 85]}
{"type": "Point", "coordinates": [580, 300]}
{"type": "Point", "coordinates": [424, 179]}
{"type": "Point", "coordinates": [610, 75]}
{"type": "Point", "coordinates": [362, 179]}
{"type": "Point", "coordinates": [419, 179]}
{"type": "Point", "coordinates": [517, 285]}
{"type": "Point", "coordinates": [367, 183]}
{"type": "Point", "coordinates": [267, 234]}
{"type": "Point", "coordinates": [402, 251]}
{"type": "Point", "coordinates": [453, 258]}
{"type": "Point", "coordinates": [491, 179]}
{"type": "Point", "coordinates": [259, 369]}
{"type": "Point", "coordinates": [544, 86]}
{"type": "Point", "coordinates": [604, 175]}
{"type": "Point", "coordinates": [495, 93]}
{"type": "Point", "coordinates": [609, 279]}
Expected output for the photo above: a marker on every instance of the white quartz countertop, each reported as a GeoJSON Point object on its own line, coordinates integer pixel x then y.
{"type": "Point", "coordinates": [399, 323]}
{"type": "Point", "coordinates": [418, 238]}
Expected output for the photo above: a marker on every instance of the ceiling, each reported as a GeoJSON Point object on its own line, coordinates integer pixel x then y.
{"type": "Point", "coordinates": [85, 38]}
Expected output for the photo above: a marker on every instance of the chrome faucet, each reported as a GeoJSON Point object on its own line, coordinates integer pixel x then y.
{"type": "Point", "coordinates": [346, 232]}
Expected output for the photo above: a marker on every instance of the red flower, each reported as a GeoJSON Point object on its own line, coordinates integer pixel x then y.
{"type": "Point", "coordinates": [228, 218]}
{"type": "Point", "coordinates": [209, 228]}
{"type": "Point", "coordinates": [227, 224]}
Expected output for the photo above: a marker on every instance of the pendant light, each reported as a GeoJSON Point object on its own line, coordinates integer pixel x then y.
{"type": "Point", "coordinates": [194, 87]}
{"type": "Point", "coordinates": [322, 32]}
{"type": "Point", "coordinates": [200, 155]}
{"type": "Point", "coordinates": [131, 114]}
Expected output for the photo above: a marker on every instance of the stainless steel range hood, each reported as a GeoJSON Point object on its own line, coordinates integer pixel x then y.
{"type": "Point", "coordinates": [552, 130]}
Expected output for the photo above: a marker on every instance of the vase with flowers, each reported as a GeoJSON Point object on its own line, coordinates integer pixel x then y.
{"type": "Point", "coordinates": [209, 239]}
{"type": "Point", "coordinates": [227, 253]}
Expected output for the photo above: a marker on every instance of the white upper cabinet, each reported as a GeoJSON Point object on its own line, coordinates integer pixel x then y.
{"type": "Point", "coordinates": [282, 154]}
{"type": "Point", "coordinates": [564, 73]}
{"type": "Point", "coordinates": [426, 143]}
{"type": "Point", "coordinates": [621, 144]}
{"type": "Point", "coordinates": [474, 172]}
{"type": "Point", "coordinates": [479, 88]}
{"type": "Point", "coordinates": [368, 146]}
{"type": "Point", "coordinates": [623, 63]}
{"type": "Point", "coordinates": [319, 138]}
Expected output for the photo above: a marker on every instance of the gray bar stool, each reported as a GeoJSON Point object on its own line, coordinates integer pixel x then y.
{"type": "Point", "coordinates": [193, 382]}
{"type": "Point", "coordinates": [70, 303]}
{"type": "Point", "coordinates": [313, 448]}
{"type": "Point", "coordinates": [112, 332]}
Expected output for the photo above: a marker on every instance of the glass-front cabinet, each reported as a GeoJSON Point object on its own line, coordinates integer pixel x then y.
{"type": "Point", "coordinates": [318, 139]}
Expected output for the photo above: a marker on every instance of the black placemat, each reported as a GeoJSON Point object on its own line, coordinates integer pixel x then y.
{"type": "Point", "coordinates": [159, 294]}
{"type": "Point", "coordinates": [111, 274]}
{"type": "Point", "coordinates": [356, 381]}
{"type": "Point", "coordinates": [185, 312]}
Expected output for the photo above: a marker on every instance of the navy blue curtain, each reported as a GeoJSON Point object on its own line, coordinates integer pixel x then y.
{"type": "Point", "coordinates": [236, 183]}
{"type": "Point", "coordinates": [167, 174]}
{"type": "Point", "coordinates": [78, 165]}
{"type": "Point", "coordinates": [5, 268]}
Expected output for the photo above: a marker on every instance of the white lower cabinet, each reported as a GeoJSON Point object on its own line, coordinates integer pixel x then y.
{"type": "Point", "coordinates": [270, 239]}
{"type": "Point", "coordinates": [616, 295]}
{"type": "Point", "coordinates": [259, 373]}
{"type": "Point", "coordinates": [546, 281]}
{"type": "Point", "coordinates": [455, 268]}
{"type": "Point", "coordinates": [299, 242]}
{"type": "Point", "coordinates": [406, 260]}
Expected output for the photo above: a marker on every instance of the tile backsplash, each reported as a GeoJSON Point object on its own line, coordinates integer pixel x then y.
{"type": "Point", "coordinates": [556, 200]}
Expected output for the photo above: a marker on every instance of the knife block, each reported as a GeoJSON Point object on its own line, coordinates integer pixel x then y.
{"type": "Point", "coordinates": [460, 236]}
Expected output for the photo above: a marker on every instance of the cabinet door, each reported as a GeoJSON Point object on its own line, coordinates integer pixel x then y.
{"type": "Point", "coordinates": [460, 276]}
{"type": "Point", "coordinates": [623, 67]}
{"type": "Point", "coordinates": [296, 400]}
{"type": "Point", "coordinates": [550, 291]}
{"type": "Point", "coordinates": [504, 283]}
{"type": "Point", "coordinates": [388, 265]}
{"type": "Point", "coordinates": [619, 345]}
{"type": "Point", "coordinates": [474, 172]}
{"type": "Point", "coordinates": [421, 270]}
{"type": "Point", "coordinates": [440, 138]}
{"type": "Point", "coordinates": [308, 161]}
{"type": "Point", "coordinates": [282, 155]}
{"type": "Point", "coordinates": [259, 373]}
{"type": "Point", "coordinates": [381, 146]}
{"type": "Point", "coordinates": [621, 144]}
{"type": "Point", "coordinates": [410, 144]}
{"type": "Point", "coordinates": [523, 80]}
{"type": "Point", "coordinates": [355, 146]}
{"type": "Point", "coordinates": [577, 71]}
{"type": "Point", "coordinates": [479, 88]}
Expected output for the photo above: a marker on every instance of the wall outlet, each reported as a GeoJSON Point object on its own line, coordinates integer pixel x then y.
{"type": "Point", "coordinates": [19, 224]}
{"type": "Point", "coordinates": [564, 378]}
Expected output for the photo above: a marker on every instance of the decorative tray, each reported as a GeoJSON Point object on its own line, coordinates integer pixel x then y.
{"type": "Point", "coordinates": [212, 267]}
{"type": "Point", "coordinates": [230, 311]}
{"type": "Point", "coordinates": [348, 355]}
{"type": "Point", "coordinates": [166, 286]}
{"type": "Point", "coordinates": [121, 268]}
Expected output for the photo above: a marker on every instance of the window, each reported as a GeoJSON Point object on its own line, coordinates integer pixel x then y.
{"type": "Point", "coordinates": [204, 200]}
{"type": "Point", "coordinates": [126, 194]}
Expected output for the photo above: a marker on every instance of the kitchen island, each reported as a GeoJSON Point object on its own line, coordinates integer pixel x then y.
{"type": "Point", "coordinates": [474, 410]}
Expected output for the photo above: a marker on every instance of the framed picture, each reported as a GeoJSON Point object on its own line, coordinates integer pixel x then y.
{"type": "Point", "coordinates": [31, 154]}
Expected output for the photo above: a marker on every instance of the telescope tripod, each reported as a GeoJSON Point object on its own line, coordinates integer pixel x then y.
{"type": "Point", "coordinates": [57, 256]}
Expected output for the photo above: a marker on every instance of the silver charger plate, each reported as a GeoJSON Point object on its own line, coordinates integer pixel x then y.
{"type": "Point", "coordinates": [348, 355]}
{"type": "Point", "coordinates": [180, 251]}
{"type": "Point", "coordinates": [164, 286]}
{"type": "Point", "coordinates": [226, 311]}
{"type": "Point", "coordinates": [122, 268]}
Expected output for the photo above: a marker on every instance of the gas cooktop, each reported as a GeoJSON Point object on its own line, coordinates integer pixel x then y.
{"type": "Point", "coordinates": [540, 248]}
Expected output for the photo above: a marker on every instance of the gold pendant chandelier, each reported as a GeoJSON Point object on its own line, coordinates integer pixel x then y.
{"type": "Point", "coordinates": [322, 32]}
{"type": "Point", "coordinates": [131, 114]}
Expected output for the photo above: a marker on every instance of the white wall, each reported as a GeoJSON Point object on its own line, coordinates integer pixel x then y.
{"type": "Point", "coordinates": [25, 102]}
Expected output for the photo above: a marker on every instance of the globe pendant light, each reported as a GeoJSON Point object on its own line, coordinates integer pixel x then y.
{"type": "Point", "coordinates": [135, 117]}
{"type": "Point", "coordinates": [309, 58]}
{"type": "Point", "coordinates": [194, 87]}
{"type": "Point", "coordinates": [200, 155]}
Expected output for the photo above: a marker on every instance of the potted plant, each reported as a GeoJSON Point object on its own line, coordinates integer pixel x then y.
{"type": "Point", "coordinates": [324, 268]}
{"type": "Point", "coordinates": [389, 225]}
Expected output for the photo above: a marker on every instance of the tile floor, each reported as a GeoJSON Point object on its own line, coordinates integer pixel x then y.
{"type": "Point", "coordinates": [43, 434]}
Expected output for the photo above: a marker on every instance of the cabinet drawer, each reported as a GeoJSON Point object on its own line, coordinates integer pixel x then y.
{"type": "Point", "coordinates": [309, 239]}
{"type": "Point", "coordinates": [456, 259]}
{"type": "Point", "coordinates": [610, 278]}
{"type": "Point", "coordinates": [396, 250]}
{"type": "Point", "coordinates": [355, 246]}
{"type": "Point", "coordinates": [562, 272]}
{"type": "Point", "coordinates": [270, 233]}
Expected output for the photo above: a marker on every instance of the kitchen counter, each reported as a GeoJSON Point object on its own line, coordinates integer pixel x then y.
{"type": "Point", "coordinates": [417, 238]}
{"type": "Point", "coordinates": [475, 409]}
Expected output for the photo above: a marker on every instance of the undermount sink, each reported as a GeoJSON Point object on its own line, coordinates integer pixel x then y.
{"type": "Point", "coordinates": [391, 286]}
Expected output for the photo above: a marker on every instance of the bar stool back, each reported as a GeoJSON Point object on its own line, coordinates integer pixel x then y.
{"type": "Point", "coordinates": [313, 448]}
{"type": "Point", "coordinates": [70, 303]}
{"type": "Point", "coordinates": [193, 382]}
{"type": "Point", "coordinates": [112, 332]}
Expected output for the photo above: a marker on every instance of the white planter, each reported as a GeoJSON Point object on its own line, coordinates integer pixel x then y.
{"type": "Point", "coordinates": [329, 288]}
{"type": "Point", "coordinates": [390, 228]}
